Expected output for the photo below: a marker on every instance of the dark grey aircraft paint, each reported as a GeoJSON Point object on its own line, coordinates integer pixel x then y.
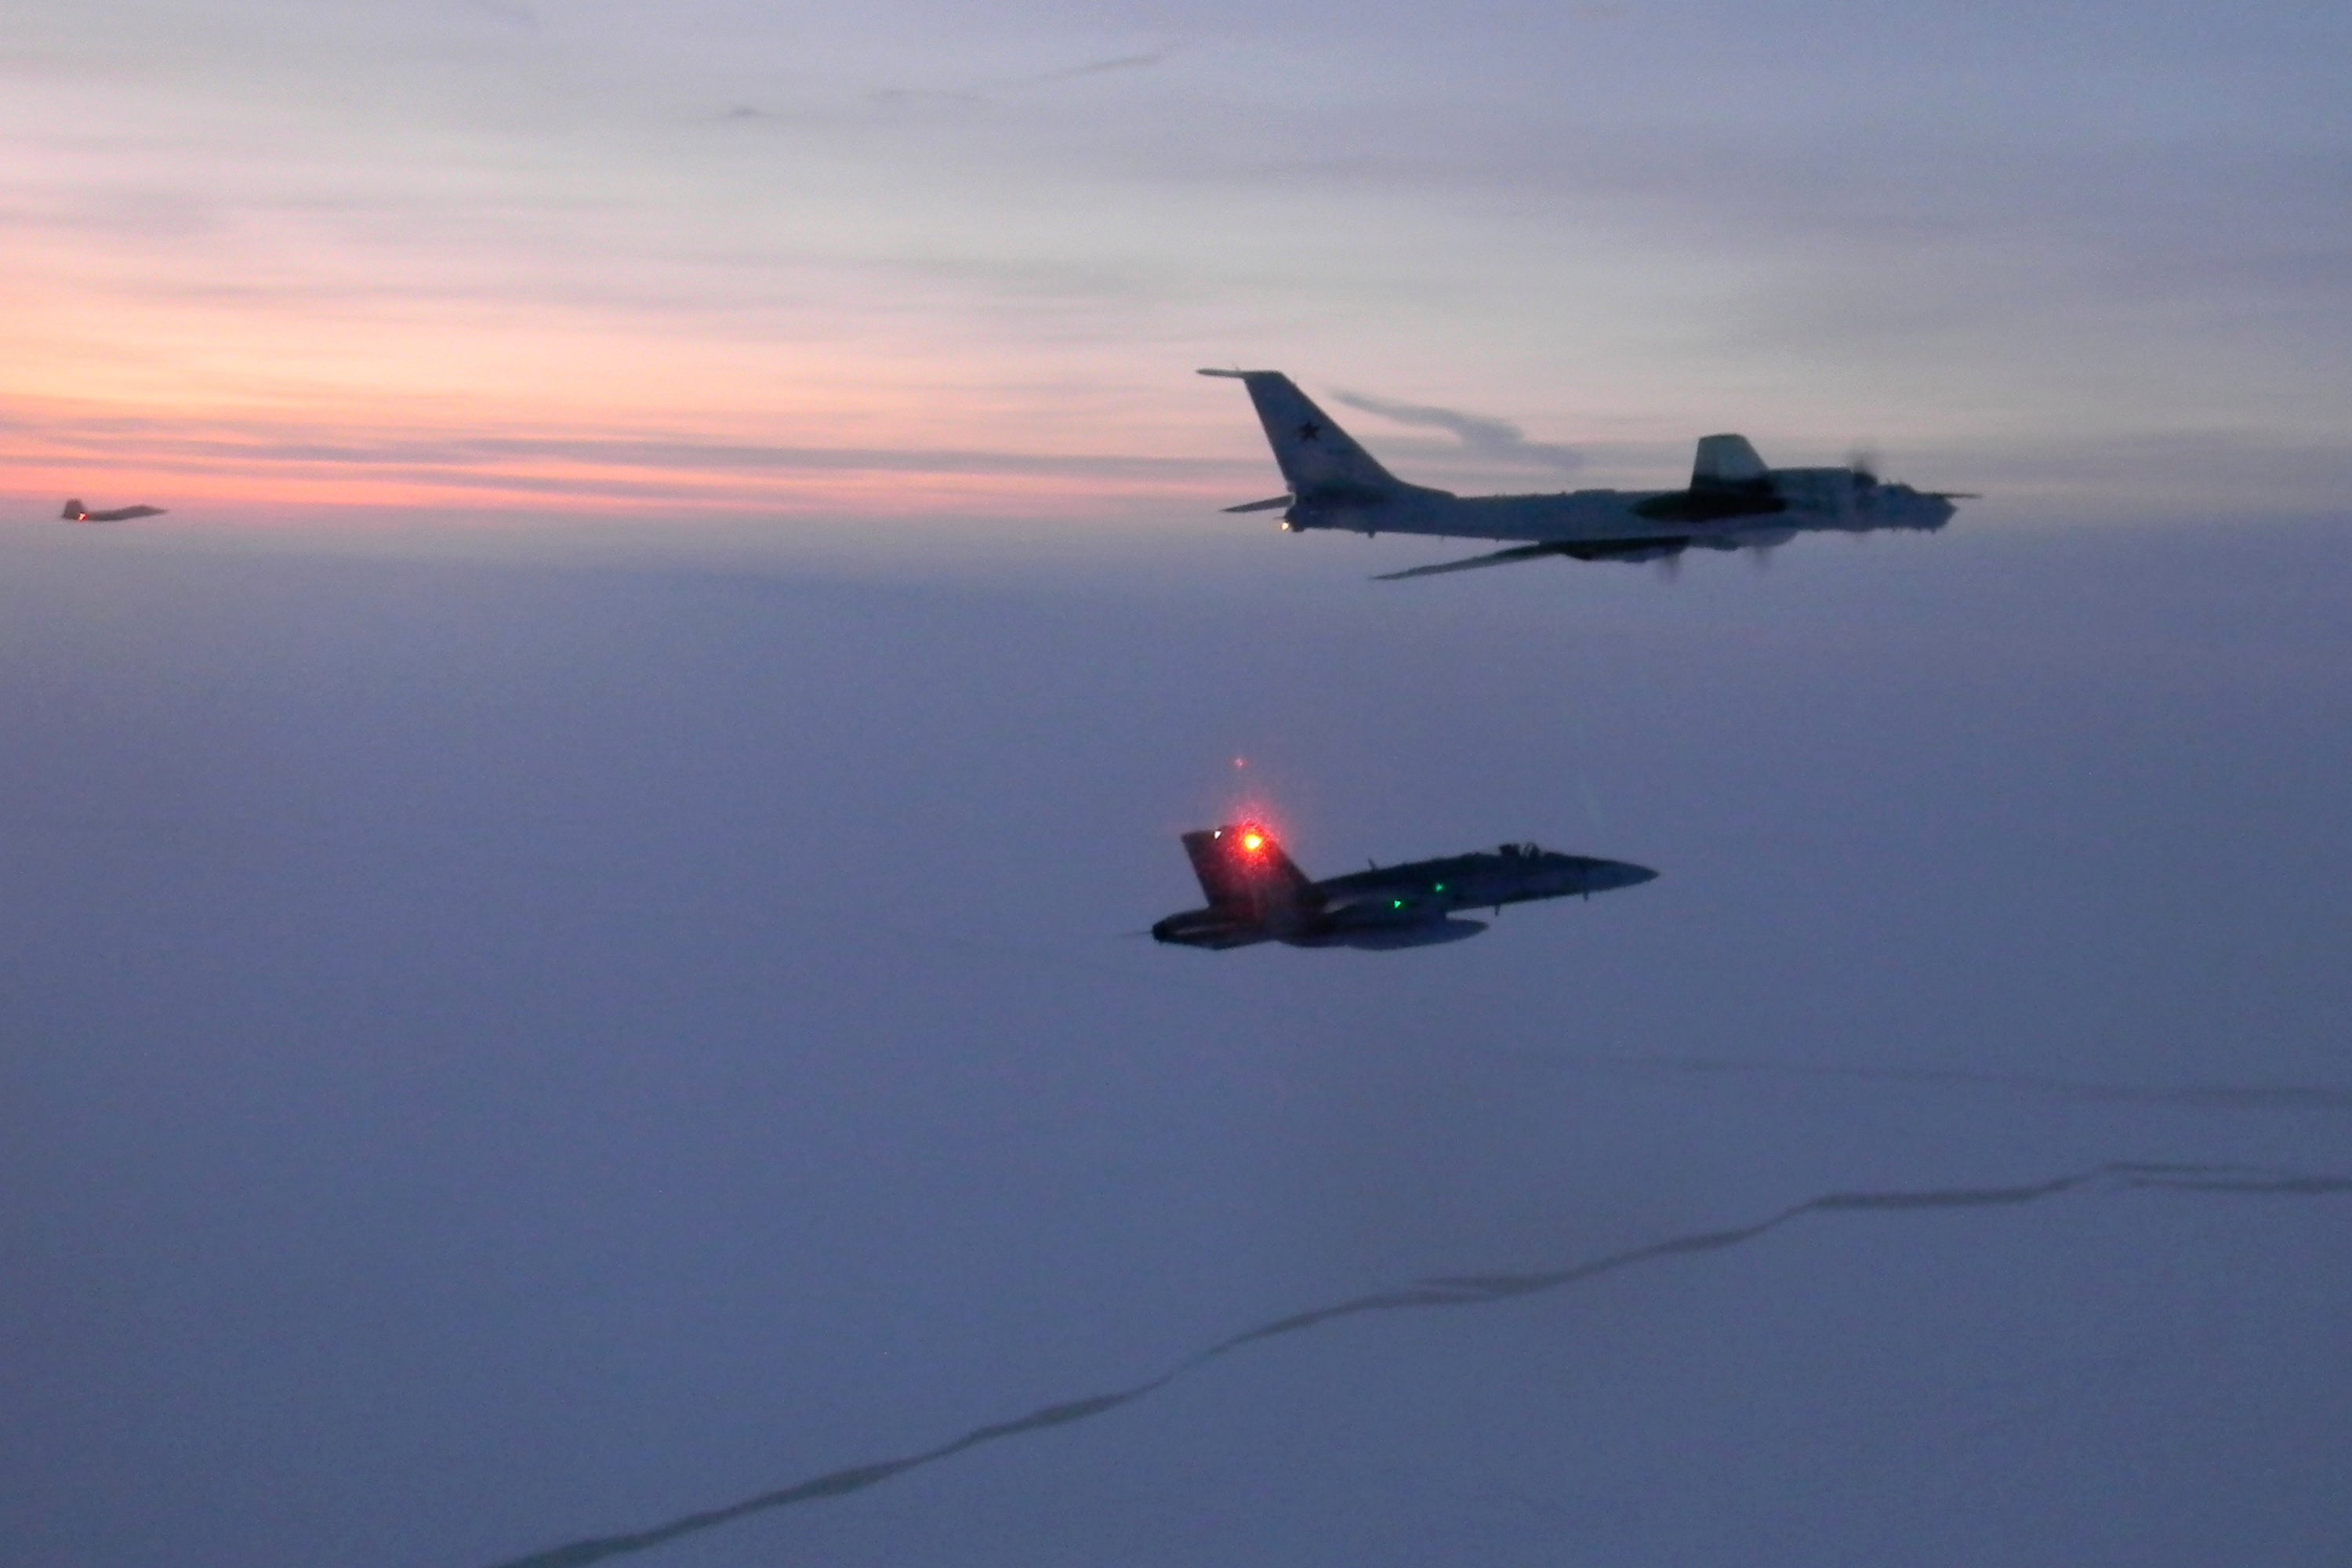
{"type": "Point", "coordinates": [1256, 894]}
{"type": "Point", "coordinates": [76, 512]}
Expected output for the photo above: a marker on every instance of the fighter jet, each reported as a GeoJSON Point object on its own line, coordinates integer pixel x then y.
{"type": "Point", "coordinates": [1256, 894]}
{"type": "Point", "coordinates": [76, 512]}
{"type": "Point", "coordinates": [1733, 501]}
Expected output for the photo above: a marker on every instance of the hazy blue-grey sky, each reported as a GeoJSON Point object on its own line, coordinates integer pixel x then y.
{"type": "Point", "coordinates": [568, 952]}
{"type": "Point", "coordinates": [2093, 259]}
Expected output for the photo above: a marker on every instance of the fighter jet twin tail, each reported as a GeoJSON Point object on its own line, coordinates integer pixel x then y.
{"type": "Point", "coordinates": [1733, 501]}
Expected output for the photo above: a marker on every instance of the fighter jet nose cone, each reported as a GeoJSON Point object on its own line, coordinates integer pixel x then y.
{"type": "Point", "coordinates": [1624, 874]}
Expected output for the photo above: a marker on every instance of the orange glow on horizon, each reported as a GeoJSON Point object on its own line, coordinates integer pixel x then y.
{"type": "Point", "coordinates": [285, 362]}
{"type": "Point", "coordinates": [234, 458]}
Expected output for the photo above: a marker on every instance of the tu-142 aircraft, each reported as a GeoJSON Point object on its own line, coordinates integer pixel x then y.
{"type": "Point", "coordinates": [76, 512]}
{"type": "Point", "coordinates": [1256, 894]}
{"type": "Point", "coordinates": [1733, 500]}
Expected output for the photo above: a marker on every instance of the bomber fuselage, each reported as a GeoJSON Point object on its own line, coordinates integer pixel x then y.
{"type": "Point", "coordinates": [1619, 523]}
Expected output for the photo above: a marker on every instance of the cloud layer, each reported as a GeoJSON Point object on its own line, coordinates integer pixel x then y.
{"type": "Point", "coordinates": [1450, 1290]}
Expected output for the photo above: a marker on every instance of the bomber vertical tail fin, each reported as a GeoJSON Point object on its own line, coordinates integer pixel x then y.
{"type": "Point", "coordinates": [1320, 460]}
{"type": "Point", "coordinates": [1726, 463]}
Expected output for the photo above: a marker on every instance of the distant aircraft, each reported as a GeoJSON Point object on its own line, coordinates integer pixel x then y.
{"type": "Point", "coordinates": [1733, 500]}
{"type": "Point", "coordinates": [76, 512]}
{"type": "Point", "coordinates": [1256, 894]}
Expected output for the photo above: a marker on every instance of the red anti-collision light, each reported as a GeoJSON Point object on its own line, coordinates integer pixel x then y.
{"type": "Point", "coordinates": [1253, 842]}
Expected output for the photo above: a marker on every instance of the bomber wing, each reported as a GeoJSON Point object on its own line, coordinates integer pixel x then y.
{"type": "Point", "coordinates": [1592, 550]}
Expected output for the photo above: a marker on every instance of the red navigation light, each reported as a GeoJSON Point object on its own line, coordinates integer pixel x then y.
{"type": "Point", "coordinates": [1253, 842]}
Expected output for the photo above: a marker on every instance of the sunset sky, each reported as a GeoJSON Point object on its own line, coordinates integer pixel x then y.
{"type": "Point", "coordinates": [573, 915]}
{"type": "Point", "coordinates": [915, 259]}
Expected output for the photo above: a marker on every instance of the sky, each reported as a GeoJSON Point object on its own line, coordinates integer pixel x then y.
{"type": "Point", "coordinates": [914, 259]}
{"type": "Point", "coordinates": [572, 974]}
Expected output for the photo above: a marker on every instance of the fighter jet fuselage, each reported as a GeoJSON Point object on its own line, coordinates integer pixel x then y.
{"type": "Point", "coordinates": [76, 512]}
{"type": "Point", "coordinates": [1732, 502]}
{"type": "Point", "coordinates": [1256, 893]}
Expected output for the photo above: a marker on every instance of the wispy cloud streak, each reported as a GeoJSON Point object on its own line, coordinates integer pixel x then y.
{"type": "Point", "coordinates": [986, 92]}
{"type": "Point", "coordinates": [1106, 68]}
{"type": "Point", "coordinates": [1462, 1290]}
{"type": "Point", "coordinates": [666, 456]}
{"type": "Point", "coordinates": [203, 457]}
{"type": "Point", "coordinates": [2192, 1096]}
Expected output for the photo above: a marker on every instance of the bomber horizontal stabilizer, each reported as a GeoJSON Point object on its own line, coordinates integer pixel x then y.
{"type": "Point", "coordinates": [1266, 505]}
